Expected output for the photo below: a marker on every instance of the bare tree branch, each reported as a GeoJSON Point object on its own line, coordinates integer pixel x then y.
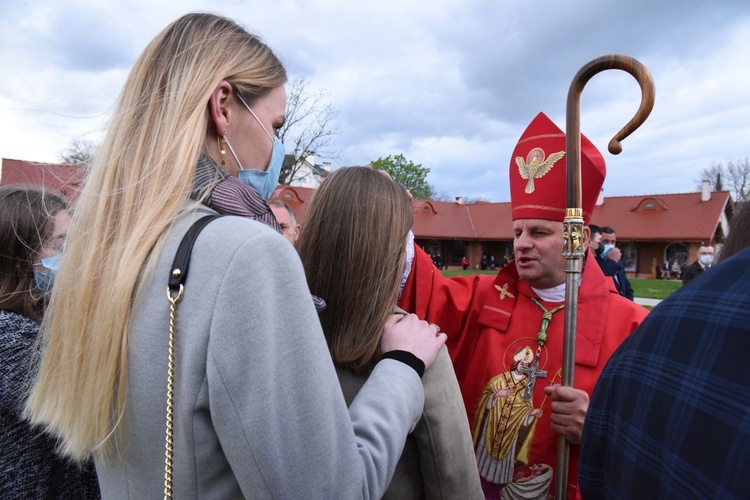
{"type": "Point", "coordinates": [79, 152]}
{"type": "Point", "coordinates": [738, 172]}
{"type": "Point", "coordinates": [734, 177]}
{"type": "Point", "coordinates": [308, 129]}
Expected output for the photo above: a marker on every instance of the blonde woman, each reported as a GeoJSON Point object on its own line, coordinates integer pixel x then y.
{"type": "Point", "coordinates": [352, 248]}
{"type": "Point", "coordinates": [258, 411]}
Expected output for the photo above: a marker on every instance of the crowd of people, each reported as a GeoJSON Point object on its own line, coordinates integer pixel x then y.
{"type": "Point", "coordinates": [334, 360]}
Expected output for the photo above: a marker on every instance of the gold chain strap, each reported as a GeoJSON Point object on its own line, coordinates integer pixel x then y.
{"type": "Point", "coordinates": [169, 450]}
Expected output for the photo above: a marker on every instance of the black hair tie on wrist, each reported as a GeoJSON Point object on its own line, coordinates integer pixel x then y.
{"type": "Point", "coordinates": [408, 359]}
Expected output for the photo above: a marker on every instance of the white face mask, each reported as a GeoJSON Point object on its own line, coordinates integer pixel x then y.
{"type": "Point", "coordinates": [706, 259]}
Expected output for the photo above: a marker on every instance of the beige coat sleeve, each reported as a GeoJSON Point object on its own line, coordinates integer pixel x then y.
{"type": "Point", "coordinates": [446, 453]}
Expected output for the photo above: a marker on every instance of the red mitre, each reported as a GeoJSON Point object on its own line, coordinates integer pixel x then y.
{"type": "Point", "coordinates": [538, 173]}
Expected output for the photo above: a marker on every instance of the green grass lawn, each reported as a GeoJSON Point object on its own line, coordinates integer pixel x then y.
{"type": "Point", "coordinates": [643, 288]}
{"type": "Point", "coordinates": [653, 289]}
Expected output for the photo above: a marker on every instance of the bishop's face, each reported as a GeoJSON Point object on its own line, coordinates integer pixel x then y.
{"type": "Point", "coordinates": [538, 246]}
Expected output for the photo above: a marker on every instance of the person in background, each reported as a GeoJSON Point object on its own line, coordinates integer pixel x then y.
{"type": "Point", "coordinates": [438, 261]}
{"type": "Point", "coordinates": [257, 409]}
{"type": "Point", "coordinates": [703, 263]}
{"type": "Point", "coordinates": [608, 256]}
{"type": "Point", "coordinates": [505, 260]}
{"type": "Point", "coordinates": [353, 256]}
{"type": "Point", "coordinates": [669, 415]}
{"type": "Point", "coordinates": [464, 263]}
{"type": "Point", "coordinates": [676, 268]}
{"type": "Point", "coordinates": [505, 332]}
{"type": "Point", "coordinates": [287, 220]}
{"type": "Point", "coordinates": [33, 227]}
{"type": "Point", "coordinates": [664, 271]}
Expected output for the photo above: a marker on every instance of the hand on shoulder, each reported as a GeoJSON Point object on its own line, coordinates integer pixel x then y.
{"type": "Point", "coordinates": [409, 333]}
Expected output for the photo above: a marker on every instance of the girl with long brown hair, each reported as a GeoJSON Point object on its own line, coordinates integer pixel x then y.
{"type": "Point", "coordinates": [352, 247]}
{"type": "Point", "coordinates": [33, 226]}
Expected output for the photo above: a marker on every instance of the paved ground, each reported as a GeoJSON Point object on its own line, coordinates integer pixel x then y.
{"type": "Point", "coordinates": [647, 302]}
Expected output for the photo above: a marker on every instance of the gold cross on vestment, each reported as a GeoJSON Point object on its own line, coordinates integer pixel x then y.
{"type": "Point", "coordinates": [504, 292]}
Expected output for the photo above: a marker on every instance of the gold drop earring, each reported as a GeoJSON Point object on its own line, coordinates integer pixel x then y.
{"type": "Point", "coordinates": [220, 139]}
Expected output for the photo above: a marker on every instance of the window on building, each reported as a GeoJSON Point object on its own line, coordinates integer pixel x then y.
{"type": "Point", "coordinates": [629, 256]}
{"type": "Point", "coordinates": [677, 252]}
{"type": "Point", "coordinates": [433, 247]}
{"type": "Point", "coordinates": [459, 250]}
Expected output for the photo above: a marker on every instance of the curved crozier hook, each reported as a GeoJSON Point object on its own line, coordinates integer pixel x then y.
{"type": "Point", "coordinates": [574, 262]}
{"type": "Point", "coordinates": [625, 63]}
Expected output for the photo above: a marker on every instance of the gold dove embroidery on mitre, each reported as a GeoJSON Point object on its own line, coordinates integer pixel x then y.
{"type": "Point", "coordinates": [535, 166]}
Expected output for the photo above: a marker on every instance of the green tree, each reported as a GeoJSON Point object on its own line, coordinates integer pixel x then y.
{"type": "Point", "coordinates": [407, 173]}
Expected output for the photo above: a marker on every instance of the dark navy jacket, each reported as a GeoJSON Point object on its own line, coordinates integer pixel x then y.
{"type": "Point", "coordinates": [617, 272]}
{"type": "Point", "coordinates": [670, 415]}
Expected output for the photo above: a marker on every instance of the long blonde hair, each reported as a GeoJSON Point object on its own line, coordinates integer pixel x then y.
{"type": "Point", "coordinates": [138, 185]}
{"type": "Point", "coordinates": [352, 248]}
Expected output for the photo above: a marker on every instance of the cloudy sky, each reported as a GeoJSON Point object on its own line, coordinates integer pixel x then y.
{"type": "Point", "coordinates": [450, 84]}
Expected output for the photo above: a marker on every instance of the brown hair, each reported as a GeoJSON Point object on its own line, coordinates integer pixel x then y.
{"type": "Point", "coordinates": [739, 234]}
{"type": "Point", "coordinates": [352, 248]}
{"type": "Point", "coordinates": [27, 219]}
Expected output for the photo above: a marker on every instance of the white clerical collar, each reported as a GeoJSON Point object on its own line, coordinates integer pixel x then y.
{"type": "Point", "coordinates": [555, 293]}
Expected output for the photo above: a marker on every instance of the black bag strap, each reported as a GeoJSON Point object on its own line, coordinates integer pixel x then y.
{"type": "Point", "coordinates": [178, 272]}
{"type": "Point", "coordinates": [175, 289]}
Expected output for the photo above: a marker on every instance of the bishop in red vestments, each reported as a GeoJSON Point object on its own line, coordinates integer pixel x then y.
{"type": "Point", "coordinates": [505, 333]}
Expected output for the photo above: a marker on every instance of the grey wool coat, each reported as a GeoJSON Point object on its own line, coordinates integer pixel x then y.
{"type": "Point", "coordinates": [259, 412]}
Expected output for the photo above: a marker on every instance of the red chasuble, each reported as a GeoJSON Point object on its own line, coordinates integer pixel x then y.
{"type": "Point", "coordinates": [492, 327]}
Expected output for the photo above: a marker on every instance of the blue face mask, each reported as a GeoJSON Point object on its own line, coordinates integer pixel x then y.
{"type": "Point", "coordinates": [606, 250]}
{"type": "Point", "coordinates": [263, 181]}
{"type": "Point", "coordinates": [43, 280]}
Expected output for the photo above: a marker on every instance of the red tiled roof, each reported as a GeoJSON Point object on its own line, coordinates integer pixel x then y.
{"type": "Point", "coordinates": [449, 220]}
{"type": "Point", "coordinates": [296, 197]}
{"type": "Point", "coordinates": [643, 217]}
{"type": "Point", "coordinates": [681, 216]}
{"type": "Point", "coordinates": [66, 179]}
{"type": "Point", "coordinates": [493, 221]}
{"type": "Point", "coordinates": [441, 220]}
{"type": "Point", "coordinates": [656, 217]}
